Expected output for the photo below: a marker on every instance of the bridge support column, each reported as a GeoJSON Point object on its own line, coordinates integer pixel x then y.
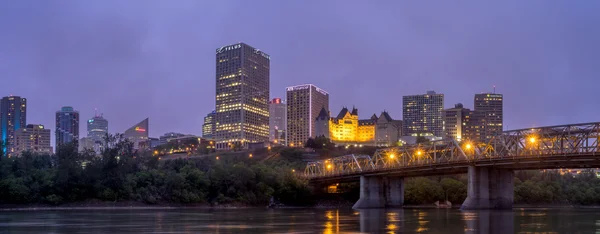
{"type": "Point", "coordinates": [394, 191]}
{"type": "Point", "coordinates": [372, 193]}
{"type": "Point", "coordinates": [489, 188]}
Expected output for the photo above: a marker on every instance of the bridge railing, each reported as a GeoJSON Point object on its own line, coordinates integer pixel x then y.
{"type": "Point", "coordinates": [566, 140]}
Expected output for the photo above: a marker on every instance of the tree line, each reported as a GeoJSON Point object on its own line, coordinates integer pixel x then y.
{"type": "Point", "coordinates": [122, 174]}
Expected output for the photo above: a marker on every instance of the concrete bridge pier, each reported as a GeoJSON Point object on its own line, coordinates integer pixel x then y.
{"type": "Point", "coordinates": [394, 191]}
{"type": "Point", "coordinates": [380, 192]}
{"type": "Point", "coordinates": [489, 188]}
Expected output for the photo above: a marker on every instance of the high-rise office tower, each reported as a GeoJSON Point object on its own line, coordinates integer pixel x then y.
{"type": "Point", "coordinates": [209, 126]}
{"type": "Point", "coordinates": [489, 107]}
{"type": "Point", "coordinates": [33, 138]}
{"type": "Point", "coordinates": [67, 126]}
{"type": "Point", "coordinates": [422, 114]}
{"type": "Point", "coordinates": [242, 95]}
{"type": "Point", "coordinates": [456, 122]}
{"type": "Point", "coordinates": [97, 128]}
{"type": "Point", "coordinates": [304, 102]}
{"type": "Point", "coordinates": [13, 116]}
{"type": "Point", "coordinates": [138, 134]}
{"type": "Point", "coordinates": [277, 121]}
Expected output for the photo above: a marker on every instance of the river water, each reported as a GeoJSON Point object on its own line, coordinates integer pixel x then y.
{"type": "Point", "coordinates": [301, 221]}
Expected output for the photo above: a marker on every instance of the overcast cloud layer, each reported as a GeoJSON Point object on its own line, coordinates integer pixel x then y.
{"type": "Point", "coordinates": [136, 59]}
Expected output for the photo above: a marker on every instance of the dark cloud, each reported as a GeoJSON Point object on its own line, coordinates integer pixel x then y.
{"type": "Point", "coordinates": [137, 59]}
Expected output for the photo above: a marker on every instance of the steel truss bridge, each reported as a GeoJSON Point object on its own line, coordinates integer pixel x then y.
{"type": "Point", "coordinates": [565, 146]}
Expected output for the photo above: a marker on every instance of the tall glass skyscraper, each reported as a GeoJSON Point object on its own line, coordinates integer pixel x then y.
{"type": "Point", "coordinates": [67, 126]}
{"type": "Point", "coordinates": [13, 116]}
{"type": "Point", "coordinates": [97, 128]}
{"type": "Point", "coordinates": [242, 95]}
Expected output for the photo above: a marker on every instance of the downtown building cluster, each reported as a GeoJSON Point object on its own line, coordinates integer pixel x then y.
{"type": "Point", "coordinates": [245, 116]}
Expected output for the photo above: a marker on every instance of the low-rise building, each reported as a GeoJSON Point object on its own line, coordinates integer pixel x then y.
{"type": "Point", "coordinates": [348, 129]}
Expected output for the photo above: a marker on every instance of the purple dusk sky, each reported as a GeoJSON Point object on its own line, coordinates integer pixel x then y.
{"type": "Point", "coordinates": [136, 59]}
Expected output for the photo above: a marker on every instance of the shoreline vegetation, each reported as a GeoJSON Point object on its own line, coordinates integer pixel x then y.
{"type": "Point", "coordinates": [123, 178]}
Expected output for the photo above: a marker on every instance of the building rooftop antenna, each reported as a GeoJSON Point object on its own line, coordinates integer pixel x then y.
{"type": "Point", "coordinates": [494, 89]}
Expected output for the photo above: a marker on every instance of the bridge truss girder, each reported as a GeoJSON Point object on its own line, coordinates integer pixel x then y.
{"type": "Point", "coordinates": [565, 140]}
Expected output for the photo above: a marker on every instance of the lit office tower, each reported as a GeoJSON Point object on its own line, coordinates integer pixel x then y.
{"type": "Point", "coordinates": [97, 128]}
{"type": "Point", "coordinates": [242, 95]}
{"type": "Point", "coordinates": [277, 121]}
{"type": "Point", "coordinates": [489, 107]}
{"type": "Point", "coordinates": [456, 122]}
{"type": "Point", "coordinates": [304, 102]}
{"type": "Point", "coordinates": [67, 126]}
{"type": "Point", "coordinates": [208, 128]}
{"type": "Point", "coordinates": [422, 114]}
{"type": "Point", "coordinates": [13, 116]}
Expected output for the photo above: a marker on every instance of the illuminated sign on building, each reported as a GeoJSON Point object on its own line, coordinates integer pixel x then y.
{"type": "Point", "coordinates": [140, 129]}
{"type": "Point", "coordinates": [306, 86]}
{"type": "Point", "coordinates": [297, 87]}
{"type": "Point", "coordinates": [257, 51]}
{"type": "Point", "coordinates": [228, 48]}
{"type": "Point", "coordinates": [321, 91]}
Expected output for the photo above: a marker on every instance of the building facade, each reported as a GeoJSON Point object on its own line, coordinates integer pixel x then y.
{"type": "Point", "coordinates": [348, 129]}
{"type": "Point", "coordinates": [457, 122]}
{"type": "Point", "coordinates": [67, 126]}
{"type": "Point", "coordinates": [490, 112]}
{"type": "Point", "coordinates": [32, 138]}
{"type": "Point", "coordinates": [138, 134]}
{"type": "Point", "coordinates": [304, 102]}
{"type": "Point", "coordinates": [209, 126]}
{"type": "Point", "coordinates": [13, 116]}
{"type": "Point", "coordinates": [277, 121]}
{"type": "Point", "coordinates": [164, 139]}
{"type": "Point", "coordinates": [387, 130]}
{"type": "Point", "coordinates": [242, 95]}
{"type": "Point", "coordinates": [422, 114]}
{"type": "Point", "coordinates": [97, 128]}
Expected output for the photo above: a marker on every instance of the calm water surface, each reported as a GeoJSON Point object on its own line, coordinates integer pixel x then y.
{"type": "Point", "coordinates": [301, 221]}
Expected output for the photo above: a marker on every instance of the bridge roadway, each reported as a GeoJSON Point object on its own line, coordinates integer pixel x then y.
{"type": "Point", "coordinates": [489, 165]}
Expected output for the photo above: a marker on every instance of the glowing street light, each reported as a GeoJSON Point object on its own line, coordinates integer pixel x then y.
{"type": "Point", "coordinates": [468, 146]}
{"type": "Point", "coordinates": [419, 152]}
{"type": "Point", "coordinates": [328, 166]}
{"type": "Point", "coordinates": [250, 155]}
{"type": "Point", "coordinates": [532, 140]}
{"type": "Point", "coordinates": [392, 156]}
{"type": "Point", "coordinates": [293, 170]}
{"type": "Point", "coordinates": [217, 157]}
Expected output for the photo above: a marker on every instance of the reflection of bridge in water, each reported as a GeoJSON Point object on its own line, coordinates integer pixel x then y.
{"type": "Point", "coordinates": [436, 221]}
{"type": "Point", "coordinates": [489, 164]}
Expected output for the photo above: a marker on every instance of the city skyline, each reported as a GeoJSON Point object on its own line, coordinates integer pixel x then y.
{"type": "Point", "coordinates": [530, 60]}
